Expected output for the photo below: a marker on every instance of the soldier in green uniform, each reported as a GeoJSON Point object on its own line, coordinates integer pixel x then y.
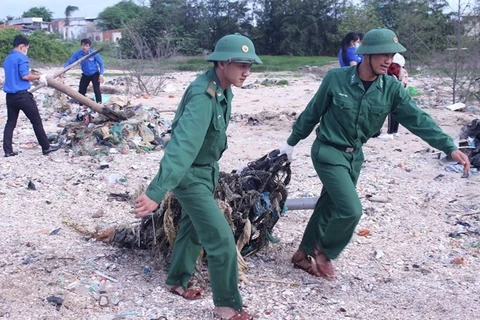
{"type": "Point", "coordinates": [189, 168]}
{"type": "Point", "coordinates": [350, 106]}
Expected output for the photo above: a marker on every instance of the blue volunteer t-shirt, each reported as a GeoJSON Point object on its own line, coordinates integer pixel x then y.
{"type": "Point", "coordinates": [16, 66]}
{"type": "Point", "coordinates": [351, 56]}
{"type": "Point", "coordinates": [90, 66]}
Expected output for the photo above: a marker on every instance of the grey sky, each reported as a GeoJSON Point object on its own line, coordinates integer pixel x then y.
{"type": "Point", "coordinates": [86, 8]}
{"type": "Point", "coordinates": [91, 8]}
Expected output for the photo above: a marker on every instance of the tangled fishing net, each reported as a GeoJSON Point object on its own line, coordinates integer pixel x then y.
{"type": "Point", "coordinates": [471, 133]}
{"type": "Point", "coordinates": [252, 201]}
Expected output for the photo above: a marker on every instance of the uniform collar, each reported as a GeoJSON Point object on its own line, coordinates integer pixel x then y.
{"type": "Point", "coordinates": [217, 88]}
{"type": "Point", "coordinates": [356, 81]}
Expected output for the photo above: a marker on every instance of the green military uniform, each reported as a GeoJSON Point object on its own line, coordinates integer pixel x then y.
{"type": "Point", "coordinates": [348, 116]}
{"type": "Point", "coordinates": [190, 169]}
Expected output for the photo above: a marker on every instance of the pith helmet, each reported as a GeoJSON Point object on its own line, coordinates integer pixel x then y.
{"type": "Point", "coordinates": [234, 48]}
{"type": "Point", "coordinates": [378, 41]}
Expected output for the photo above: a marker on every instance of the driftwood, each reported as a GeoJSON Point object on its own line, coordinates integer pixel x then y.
{"type": "Point", "coordinates": [109, 113]}
{"type": "Point", "coordinates": [59, 73]}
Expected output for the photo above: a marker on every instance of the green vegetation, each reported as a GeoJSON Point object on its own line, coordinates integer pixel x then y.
{"type": "Point", "coordinates": [290, 63]}
{"type": "Point", "coordinates": [43, 47]}
{"type": "Point", "coordinates": [270, 63]}
{"type": "Point", "coordinates": [41, 12]}
{"type": "Point", "coordinates": [184, 31]}
{"type": "Point", "coordinates": [183, 63]}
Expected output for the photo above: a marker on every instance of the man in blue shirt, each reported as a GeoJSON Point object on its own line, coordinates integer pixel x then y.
{"type": "Point", "coordinates": [92, 69]}
{"type": "Point", "coordinates": [17, 83]}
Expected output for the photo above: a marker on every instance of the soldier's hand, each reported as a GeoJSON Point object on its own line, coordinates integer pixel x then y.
{"type": "Point", "coordinates": [100, 79]}
{"type": "Point", "coordinates": [144, 206]}
{"type": "Point", "coordinates": [288, 150]}
{"type": "Point", "coordinates": [461, 158]}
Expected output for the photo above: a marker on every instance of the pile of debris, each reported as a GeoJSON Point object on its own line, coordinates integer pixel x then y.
{"type": "Point", "coordinates": [252, 201]}
{"type": "Point", "coordinates": [87, 132]}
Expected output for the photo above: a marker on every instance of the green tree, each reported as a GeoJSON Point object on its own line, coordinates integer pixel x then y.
{"type": "Point", "coordinates": [358, 19]}
{"type": "Point", "coordinates": [119, 15]}
{"type": "Point", "coordinates": [296, 27]}
{"type": "Point", "coordinates": [224, 17]}
{"type": "Point", "coordinates": [425, 28]}
{"type": "Point", "coordinates": [387, 10]}
{"type": "Point", "coordinates": [38, 12]}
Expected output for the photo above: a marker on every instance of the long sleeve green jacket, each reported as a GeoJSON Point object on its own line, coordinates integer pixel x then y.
{"type": "Point", "coordinates": [198, 133]}
{"type": "Point", "coordinates": [348, 115]}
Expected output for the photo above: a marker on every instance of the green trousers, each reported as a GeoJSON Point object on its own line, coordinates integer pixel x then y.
{"type": "Point", "coordinates": [338, 210]}
{"type": "Point", "coordinates": [203, 225]}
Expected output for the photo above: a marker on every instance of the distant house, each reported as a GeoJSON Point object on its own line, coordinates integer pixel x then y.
{"type": "Point", "coordinates": [78, 28]}
{"type": "Point", "coordinates": [6, 26]}
{"type": "Point", "coordinates": [112, 35]}
{"type": "Point", "coordinates": [84, 28]}
{"type": "Point", "coordinates": [28, 25]}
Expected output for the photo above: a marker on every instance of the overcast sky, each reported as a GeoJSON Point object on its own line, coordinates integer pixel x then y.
{"type": "Point", "coordinates": [86, 8]}
{"type": "Point", "coordinates": [91, 8]}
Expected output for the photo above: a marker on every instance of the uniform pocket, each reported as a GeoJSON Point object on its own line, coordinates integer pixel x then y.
{"type": "Point", "coordinates": [219, 123]}
{"type": "Point", "coordinates": [376, 116]}
{"type": "Point", "coordinates": [379, 110]}
{"type": "Point", "coordinates": [345, 112]}
{"type": "Point", "coordinates": [378, 113]}
{"type": "Point", "coordinates": [342, 103]}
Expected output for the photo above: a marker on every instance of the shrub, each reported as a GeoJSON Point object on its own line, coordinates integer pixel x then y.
{"type": "Point", "coordinates": [43, 47]}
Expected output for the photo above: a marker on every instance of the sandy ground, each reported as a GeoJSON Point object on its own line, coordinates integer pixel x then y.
{"type": "Point", "coordinates": [420, 261]}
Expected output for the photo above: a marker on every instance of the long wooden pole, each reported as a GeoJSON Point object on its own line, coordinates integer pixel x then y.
{"type": "Point", "coordinates": [59, 73]}
{"type": "Point", "coordinates": [109, 113]}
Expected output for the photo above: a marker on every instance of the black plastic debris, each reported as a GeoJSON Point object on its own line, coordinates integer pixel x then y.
{"type": "Point", "coordinates": [56, 301]}
{"type": "Point", "coordinates": [463, 223]}
{"type": "Point", "coordinates": [31, 186]}
{"type": "Point", "coordinates": [471, 134]}
{"type": "Point", "coordinates": [119, 196]}
{"type": "Point", "coordinates": [55, 232]}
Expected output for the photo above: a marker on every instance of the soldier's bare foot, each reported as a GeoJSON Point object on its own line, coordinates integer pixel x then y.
{"type": "Point", "coordinates": [227, 313]}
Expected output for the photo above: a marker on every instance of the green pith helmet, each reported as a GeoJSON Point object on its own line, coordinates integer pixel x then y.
{"type": "Point", "coordinates": [234, 48]}
{"type": "Point", "coordinates": [379, 41]}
